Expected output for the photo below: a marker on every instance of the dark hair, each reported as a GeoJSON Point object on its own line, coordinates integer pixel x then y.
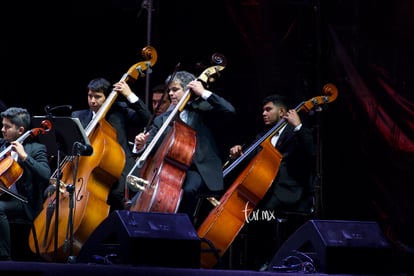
{"type": "Point", "coordinates": [18, 116]}
{"type": "Point", "coordinates": [160, 88]}
{"type": "Point", "coordinates": [100, 85]}
{"type": "Point", "coordinates": [276, 99]}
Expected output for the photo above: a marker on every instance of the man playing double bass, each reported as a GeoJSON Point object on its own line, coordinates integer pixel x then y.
{"type": "Point", "coordinates": [290, 190]}
{"type": "Point", "coordinates": [35, 174]}
{"type": "Point", "coordinates": [121, 116]}
{"type": "Point", "coordinates": [207, 111]}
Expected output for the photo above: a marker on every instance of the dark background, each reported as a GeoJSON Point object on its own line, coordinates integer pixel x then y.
{"type": "Point", "coordinates": [50, 51]}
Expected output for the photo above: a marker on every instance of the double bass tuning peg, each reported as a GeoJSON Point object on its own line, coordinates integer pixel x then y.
{"type": "Point", "coordinates": [216, 59]}
{"type": "Point", "coordinates": [141, 72]}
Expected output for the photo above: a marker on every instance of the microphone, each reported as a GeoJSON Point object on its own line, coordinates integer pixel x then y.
{"type": "Point", "coordinates": [83, 149]}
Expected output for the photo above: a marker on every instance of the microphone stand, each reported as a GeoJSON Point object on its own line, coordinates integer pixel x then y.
{"type": "Point", "coordinates": [67, 132]}
{"type": "Point", "coordinates": [48, 110]}
{"type": "Point", "coordinates": [318, 180]}
{"type": "Point", "coordinates": [71, 190]}
{"type": "Point", "coordinates": [57, 195]}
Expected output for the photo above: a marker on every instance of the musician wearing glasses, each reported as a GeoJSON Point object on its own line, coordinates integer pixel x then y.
{"type": "Point", "coordinates": [205, 112]}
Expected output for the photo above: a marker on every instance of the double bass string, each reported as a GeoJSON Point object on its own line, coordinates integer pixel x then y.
{"type": "Point", "coordinates": [229, 159]}
{"type": "Point", "coordinates": [146, 129]}
{"type": "Point", "coordinates": [96, 173]}
{"type": "Point", "coordinates": [152, 170]}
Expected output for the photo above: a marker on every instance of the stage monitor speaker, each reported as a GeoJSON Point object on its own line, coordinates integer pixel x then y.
{"type": "Point", "coordinates": [143, 238]}
{"type": "Point", "coordinates": [334, 246]}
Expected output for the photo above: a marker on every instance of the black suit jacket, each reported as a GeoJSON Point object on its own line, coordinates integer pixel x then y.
{"type": "Point", "coordinates": [120, 116]}
{"type": "Point", "coordinates": [290, 190]}
{"type": "Point", "coordinates": [203, 117]}
{"type": "Point", "coordinates": [35, 177]}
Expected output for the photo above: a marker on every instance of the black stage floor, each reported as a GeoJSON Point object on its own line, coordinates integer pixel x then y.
{"type": "Point", "coordinates": [61, 269]}
{"type": "Point", "coordinates": [330, 248]}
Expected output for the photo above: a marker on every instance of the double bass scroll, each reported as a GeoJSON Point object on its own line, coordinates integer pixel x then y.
{"type": "Point", "coordinates": [159, 177]}
{"type": "Point", "coordinates": [62, 227]}
{"type": "Point", "coordinates": [135, 71]}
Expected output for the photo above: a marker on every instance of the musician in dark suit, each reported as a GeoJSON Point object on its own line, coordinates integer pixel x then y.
{"type": "Point", "coordinates": [122, 115]}
{"type": "Point", "coordinates": [25, 199]}
{"type": "Point", "coordinates": [204, 114]}
{"type": "Point", "coordinates": [160, 101]}
{"type": "Point", "coordinates": [291, 189]}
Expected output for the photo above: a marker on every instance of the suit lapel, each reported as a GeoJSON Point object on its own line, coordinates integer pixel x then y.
{"type": "Point", "coordinates": [285, 136]}
{"type": "Point", "coordinates": [86, 118]}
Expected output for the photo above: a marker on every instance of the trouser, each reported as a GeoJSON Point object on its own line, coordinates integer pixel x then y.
{"type": "Point", "coordinates": [10, 207]}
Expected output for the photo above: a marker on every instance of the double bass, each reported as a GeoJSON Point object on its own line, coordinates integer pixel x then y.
{"type": "Point", "coordinates": [68, 218]}
{"type": "Point", "coordinates": [159, 177]}
{"type": "Point", "coordinates": [229, 214]}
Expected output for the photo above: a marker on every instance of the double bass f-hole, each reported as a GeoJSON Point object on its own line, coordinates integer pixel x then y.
{"type": "Point", "coordinates": [73, 217]}
{"type": "Point", "coordinates": [160, 176]}
{"type": "Point", "coordinates": [78, 194]}
{"type": "Point", "coordinates": [225, 220]}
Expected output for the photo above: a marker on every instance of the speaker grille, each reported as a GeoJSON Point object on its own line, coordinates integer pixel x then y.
{"type": "Point", "coordinates": [333, 246]}
{"type": "Point", "coordinates": [145, 238]}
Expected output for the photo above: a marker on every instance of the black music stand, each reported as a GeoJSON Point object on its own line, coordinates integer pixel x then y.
{"type": "Point", "coordinates": [65, 134]}
{"type": "Point", "coordinates": [66, 137]}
